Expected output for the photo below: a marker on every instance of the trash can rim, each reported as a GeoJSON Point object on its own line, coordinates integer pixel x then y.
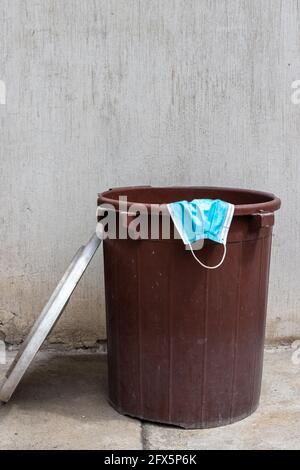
{"type": "Point", "coordinates": [271, 203]}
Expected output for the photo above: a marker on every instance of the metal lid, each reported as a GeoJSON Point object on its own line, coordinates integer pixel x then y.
{"type": "Point", "coordinates": [48, 317]}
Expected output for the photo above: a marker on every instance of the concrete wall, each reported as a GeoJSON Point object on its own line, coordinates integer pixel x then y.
{"type": "Point", "coordinates": [108, 93]}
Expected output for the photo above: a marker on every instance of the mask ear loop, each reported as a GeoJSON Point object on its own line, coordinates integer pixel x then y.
{"type": "Point", "coordinates": [204, 265]}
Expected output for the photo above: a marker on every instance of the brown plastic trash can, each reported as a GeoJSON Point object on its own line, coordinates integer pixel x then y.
{"type": "Point", "coordinates": [185, 344]}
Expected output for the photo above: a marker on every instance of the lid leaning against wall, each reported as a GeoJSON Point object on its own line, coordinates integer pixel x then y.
{"type": "Point", "coordinates": [48, 317]}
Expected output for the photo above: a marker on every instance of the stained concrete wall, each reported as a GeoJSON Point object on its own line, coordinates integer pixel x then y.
{"type": "Point", "coordinates": [108, 93]}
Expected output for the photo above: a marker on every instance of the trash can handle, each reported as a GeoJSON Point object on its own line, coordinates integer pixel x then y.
{"type": "Point", "coordinates": [264, 219]}
{"type": "Point", "coordinates": [205, 265]}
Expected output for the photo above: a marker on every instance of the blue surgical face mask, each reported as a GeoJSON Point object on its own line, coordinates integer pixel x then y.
{"type": "Point", "coordinates": [201, 219]}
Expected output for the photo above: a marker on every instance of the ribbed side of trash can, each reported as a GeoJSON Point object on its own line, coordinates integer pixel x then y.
{"type": "Point", "coordinates": [185, 344]}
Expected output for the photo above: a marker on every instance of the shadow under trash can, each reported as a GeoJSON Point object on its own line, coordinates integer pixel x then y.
{"type": "Point", "coordinates": [185, 344]}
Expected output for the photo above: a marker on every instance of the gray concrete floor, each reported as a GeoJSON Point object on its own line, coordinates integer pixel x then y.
{"type": "Point", "coordinates": [62, 404]}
